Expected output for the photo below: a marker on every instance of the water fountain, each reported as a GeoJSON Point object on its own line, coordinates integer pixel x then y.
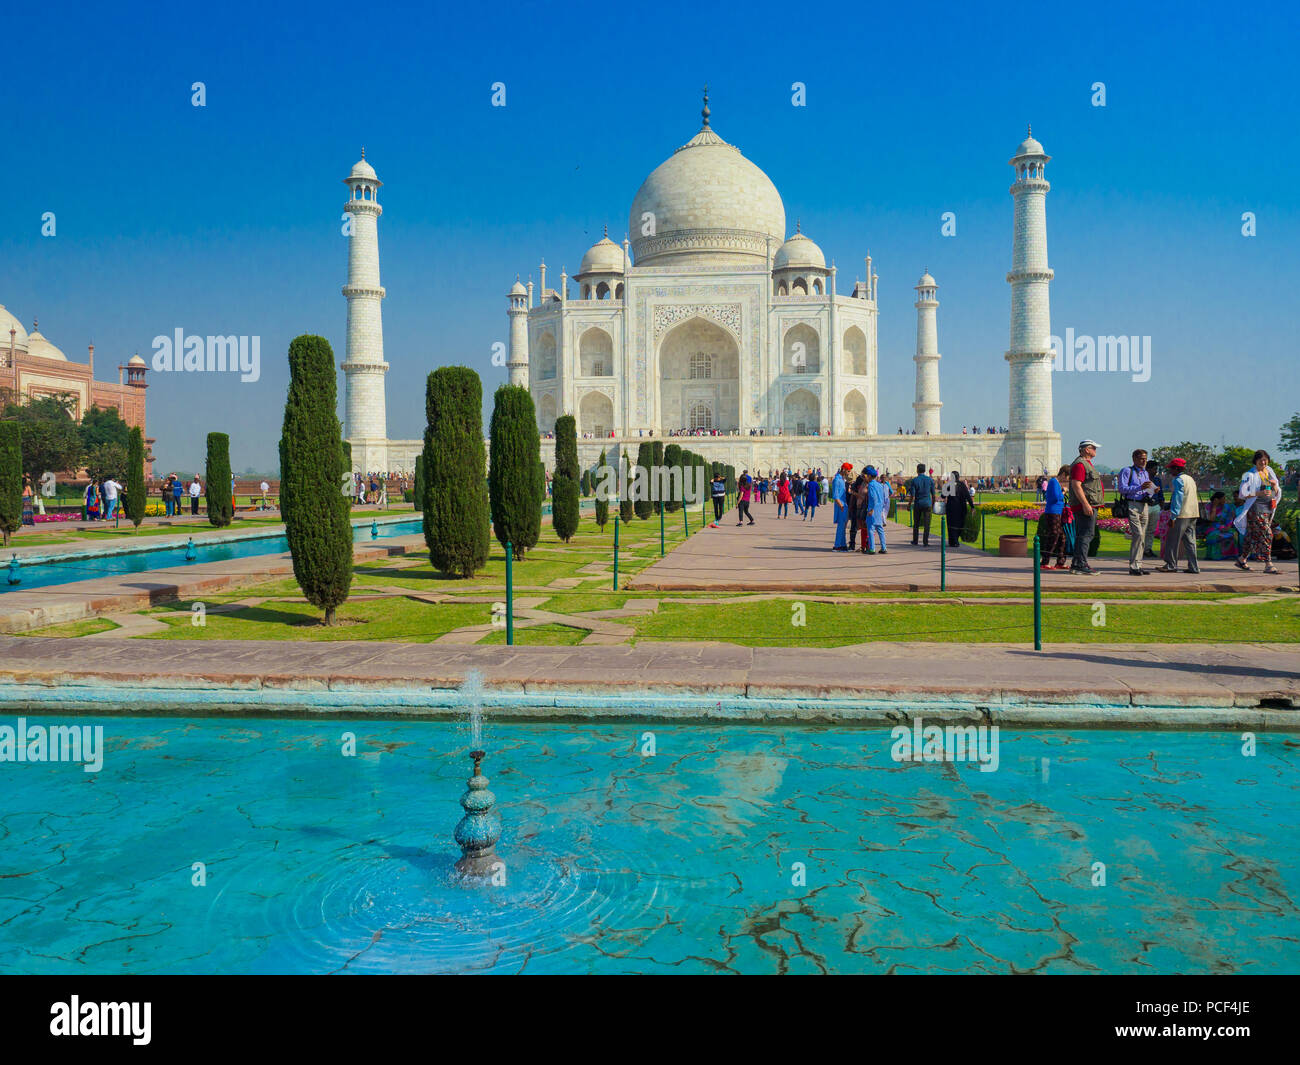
{"type": "Point", "coordinates": [13, 571]}
{"type": "Point", "coordinates": [190, 553]}
{"type": "Point", "coordinates": [480, 828]}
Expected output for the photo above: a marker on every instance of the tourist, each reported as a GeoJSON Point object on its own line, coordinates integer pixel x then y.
{"type": "Point", "coordinates": [1158, 504]}
{"type": "Point", "coordinates": [29, 509]}
{"type": "Point", "coordinates": [1259, 492]}
{"type": "Point", "coordinates": [877, 510]}
{"type": "Point", "coordinates": [1135, 487]}
{"type": "Point", "coordinates": [783, 497]}
{"type": "Point", "coordinates": [839, 495]}
{"type": "Point", "coordinates": [167, 495]}
{"type": "Point", "coordinates": [266, 488]}
{"type": "Point", "coordinates": [196, 490]}
{"type": "Point", "coordinates": [797, 492]}
{"type": "Point", "coordinates": [1086, 494]}
{"type": "Point", "coordinates": [810, 498]}
{"type": "Point", "coordinates": [857, 493]}
{"type": "Point", "coordinates": [1184, 509]}
{"type": "Point", "coordinates": [1051, 526]}
{"type": "Point", "coordinates": [177, 492]}
{"type": "Point", "coordinates": [111, 488]}
{"type": "Point", "coordinates": [921, 489]}
{"type": "Point", "coordinates": [958, 500]}
{"type": "Point", "coordinates": [90, 512]}
{"type": "Point", "coordinates": [746, 493]}
{"type": "Point", "coordinates": [1220, 536]}
{"type": "Point", "coordinates": [718, 489]}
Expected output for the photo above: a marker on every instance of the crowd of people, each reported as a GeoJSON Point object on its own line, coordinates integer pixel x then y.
{"type": "Point", "coordinates": [975, 430]}
{"type": "Point", "coordinates": [379, 487]}
{"type": "Point", "coordinates": [1243, 530]}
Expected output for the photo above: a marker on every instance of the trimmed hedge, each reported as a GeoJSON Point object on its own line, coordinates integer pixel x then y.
{"type": "Point", "coordinates": [451, 474]}
{"type": "Point", "coordinates": [515, 491]}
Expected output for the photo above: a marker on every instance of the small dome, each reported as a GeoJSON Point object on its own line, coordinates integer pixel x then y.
{"type": "Point", "coordinates": [799, 252]}
{"type": "Point", "coordinates": [136, 360]}
{"type": "Point", "coordinates": [517, 289]}
{"type": "Point", "coordinates": [603, 257]}
{"type": "Point", "coordinates": [1029, 146]}
{"type": "Point", "coordinates": [41, 348]}
{"type": "Point", "coordinates": [362, 169]}
{"type": "Point", "coordinates": [927, 281]}
{"type": "Point", "coordinates": [8, 322]}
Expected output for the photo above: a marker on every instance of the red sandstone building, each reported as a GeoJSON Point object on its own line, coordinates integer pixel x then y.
{"type": "Point", "coordinates": [32, 367]}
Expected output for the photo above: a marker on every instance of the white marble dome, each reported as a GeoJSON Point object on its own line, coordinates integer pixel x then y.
{"type": "Point", "coordinates": [8, 322]}
{"type": "Point", "coordinates": [709, 204]}
{"type": "Point", "coordinates": [41, 348]}
{"type": "Point", "coordinates": [136, 360]}
{"type": "Point", "coordinates": [603, 257]}
{"type": "Point", "coordinates": [362, 169]}
{"type": "Point", "coordinates": [799, 253]}
{"type": "Point", "coordinates": [1029, 146]}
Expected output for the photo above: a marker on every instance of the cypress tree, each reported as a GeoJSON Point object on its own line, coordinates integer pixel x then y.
{"type": "Point", "coordinates": [585, 483]}
{"type": "Point", "coordinates": [311, 471]}
{"type": "Point", "coordinates": [417, 496]}
{"type": "Point", "coordinates": [602, 502]}
{"type": "Point", "coordinates": [516, 496]}
{"type": "Point", "coordinates": [216, 478]}
{"type": "Point", "coordinates": [673, 461]}
{"type": "Point", "coordinates": [11, 479]}
{"type": "Point", "coordinates": [625, 507]}
{"type": "Point", "coordinates": [564, 485]}
{"type": "Point", "coordinates": [450, 474]}
{"type": "Point", "coordinates": [657, 473]}
{"type": "Point", "coordinates": [643, 508]}
{"type": "Point", "coordinates": [731, 479]}
{"type": "Point", "coordinates": [135, 491]}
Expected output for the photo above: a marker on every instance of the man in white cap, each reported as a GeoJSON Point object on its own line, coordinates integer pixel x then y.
{"type": "Point", "coordinates": [1086, 494]}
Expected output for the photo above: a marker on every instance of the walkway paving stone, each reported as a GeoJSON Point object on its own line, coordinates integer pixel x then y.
{"type": "Point", "coordinates": [787, 554]}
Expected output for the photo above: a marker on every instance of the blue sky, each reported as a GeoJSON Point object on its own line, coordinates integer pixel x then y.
{"type": "Point", "coordinates": [226, 219]}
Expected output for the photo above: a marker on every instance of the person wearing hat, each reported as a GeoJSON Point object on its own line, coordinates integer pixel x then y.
{"type": "Point", "coordinates": [877, 509]}
{"type": "Point", "coordinates": [1086, 494]}
{"type": "Point", "coordinates": [839, 497]}
{"type": "Point", "coordinates": [1184, 509]}
{"type": "Point", "coordinates": [1137, 489]}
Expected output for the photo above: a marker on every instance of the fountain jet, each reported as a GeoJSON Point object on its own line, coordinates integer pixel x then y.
{"type": "Point", "coordinates": [478, 831]}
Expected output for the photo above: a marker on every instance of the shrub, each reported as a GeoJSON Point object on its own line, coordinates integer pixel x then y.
{"type": "Point", "coordinates": [216, 478]}
{"type": "Point", "coordinates": [644, 458]}
{"type": "Point", "coordinates": [311, 470]}
{"type": "Point", "coordinates": [417, 492]}
{"type": "Point", "coordinates": [514, 490]}
{"type": "Point", "coordinates": [602, 502]}
{"type": "Point", "coordinates": [564, 485]}
{"type": "Point", "coordinates": [451, 471]}
{"type": "Point", "coordinates": [135, 491]}
{"type": "Point", "coordinates": [672, 460]}
{"type": "Point", "coordinates": [11, 479]}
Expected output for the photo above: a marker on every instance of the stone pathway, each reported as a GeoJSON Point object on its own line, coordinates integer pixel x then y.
{"type": "Point", "coordinates": [788, 554]}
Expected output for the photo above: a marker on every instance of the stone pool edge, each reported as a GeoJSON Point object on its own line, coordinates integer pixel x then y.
{"type": "Point", "coordinates": [558, 705]}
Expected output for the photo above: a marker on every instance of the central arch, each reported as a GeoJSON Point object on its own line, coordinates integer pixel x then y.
{"type": "Point", "coordinates": [596, 353]}
{"type": "Point", "coordinates": [684, 387]}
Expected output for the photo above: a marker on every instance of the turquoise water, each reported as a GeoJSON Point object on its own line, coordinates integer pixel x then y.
{"type": "Point", "coordinates": [680, 862]}
{"type": "Point", "coordinates": [40, 575]}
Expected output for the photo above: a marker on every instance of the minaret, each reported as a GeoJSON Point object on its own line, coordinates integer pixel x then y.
{"type": "Point", "coordinates": [1030, 354]}
{"type": "Point", "coordinates": [367, 425]}
{"type": "Point", "coordinates": [518, 365]}
{"type": "Point", "coordinates": [927, 357]}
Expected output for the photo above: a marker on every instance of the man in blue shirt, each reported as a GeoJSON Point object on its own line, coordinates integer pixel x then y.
{"type": "Point", "coordinates": [922, 489]}
{"type": "Point", "coordinates": [1135, 486]}
{"type": "Point", "coordinates": [840, 498]}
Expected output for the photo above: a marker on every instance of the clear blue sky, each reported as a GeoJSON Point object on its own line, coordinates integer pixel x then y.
{"type": "Point", "coordinates": [225, 219]}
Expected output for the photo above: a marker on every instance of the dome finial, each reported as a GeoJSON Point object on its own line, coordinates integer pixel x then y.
{"type": "Point", "coordinates": [705, 111]}
{"type": "Point", "coordinates": [363, 151]}
{"type": "Point", "coordinates": [1029, 129]}
{"type": "Point", "coordinates": [606, 236]}
{"type": "Point", "coordinates": [797, 228]}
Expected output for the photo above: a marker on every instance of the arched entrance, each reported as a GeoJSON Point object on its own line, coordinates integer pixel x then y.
{"type": "Point", "coordinates": [699, 370]}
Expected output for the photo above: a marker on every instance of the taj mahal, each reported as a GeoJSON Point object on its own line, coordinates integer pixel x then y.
{"type": "Point", "coordinates": [710, 321]}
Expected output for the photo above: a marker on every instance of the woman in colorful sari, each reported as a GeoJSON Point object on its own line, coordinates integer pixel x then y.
{"type": "Point", "coordinates": [1219, 535]}
{"type": "Point", "coordinates": [1260, 492]}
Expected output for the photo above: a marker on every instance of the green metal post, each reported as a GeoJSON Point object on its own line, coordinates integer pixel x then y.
{"type": "Point", "coordinates": [983, 523]}
{"type": "Point", "coordinates": [1024, 529]}
{"type": "Point", "coordinates": [616, 552]}
{"type": "Point", "coordinates": [510, 595]}
{"type": "Point", "coordinates": [686, 518]}
{"type": "Point", "coordinates": [943, 552]}
{"type": "Point", "coordinates": [661, 530]}
{"type": "Point", "coordinates": [1038, 595]}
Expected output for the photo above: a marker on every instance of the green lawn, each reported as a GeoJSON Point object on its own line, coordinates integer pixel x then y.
{"type": "Point", "coordinates": [833, 625]}
{"type": "Point", "coordinates": [539, 636]}
{"type": "Point", "coordinates": [85, 627]}
{"type": "Point", "coordinates": [383, 619]}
